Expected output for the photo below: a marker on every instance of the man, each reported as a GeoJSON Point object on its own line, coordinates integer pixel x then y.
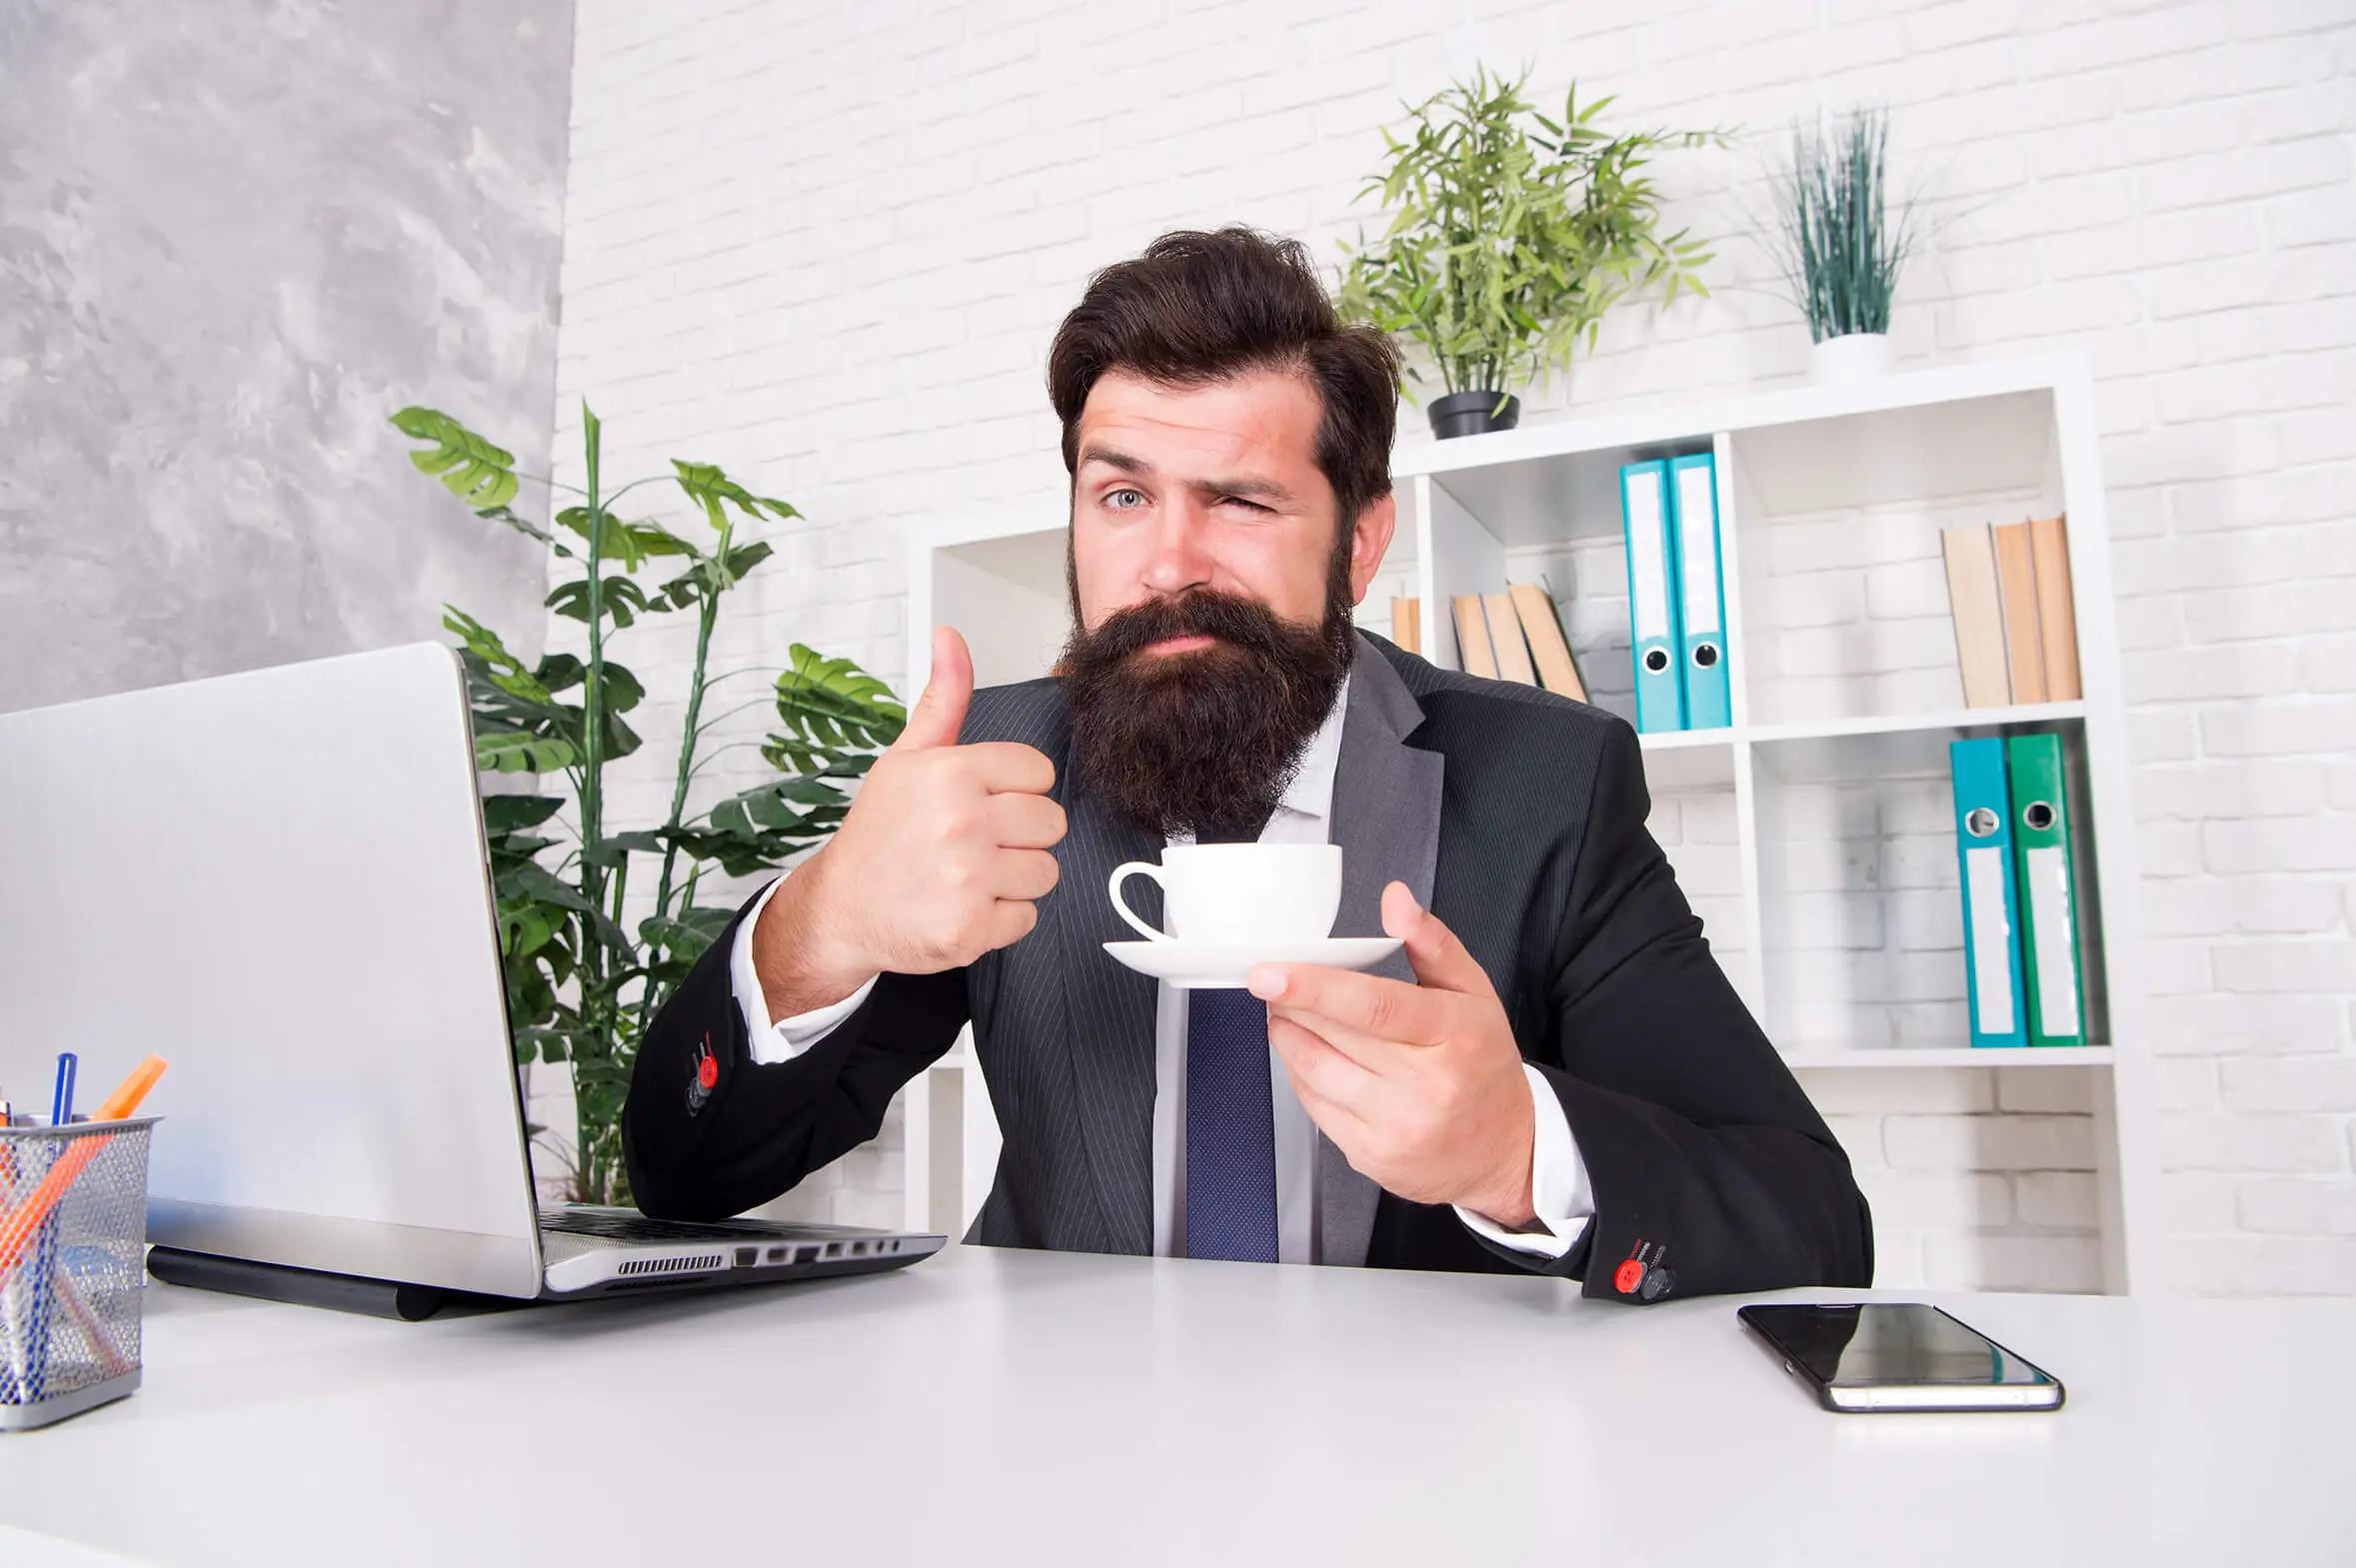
{"type": "Point", "coordinates": [1554, 1076]}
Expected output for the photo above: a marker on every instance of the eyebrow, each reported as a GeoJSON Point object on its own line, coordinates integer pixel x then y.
{"type": "Point", "coordinates": [1126, 463]}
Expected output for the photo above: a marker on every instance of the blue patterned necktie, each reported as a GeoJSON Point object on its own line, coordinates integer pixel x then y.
{"type": "Point", "coordinates": [1231, 1123]}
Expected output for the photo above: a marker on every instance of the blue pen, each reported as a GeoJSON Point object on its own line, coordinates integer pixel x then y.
{"type": "Point", "coordinates": [61, 1104]}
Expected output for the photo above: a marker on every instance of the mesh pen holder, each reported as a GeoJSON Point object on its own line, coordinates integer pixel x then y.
{"type": "Point", "coordinates": [73, 1232]}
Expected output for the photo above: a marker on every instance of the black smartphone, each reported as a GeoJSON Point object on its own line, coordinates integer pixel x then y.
{"type": "Point", "coordinates": [1897, 1355]}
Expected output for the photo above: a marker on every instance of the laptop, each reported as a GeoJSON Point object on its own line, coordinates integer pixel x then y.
{"type": "Point", "coordinates": [278, 882]}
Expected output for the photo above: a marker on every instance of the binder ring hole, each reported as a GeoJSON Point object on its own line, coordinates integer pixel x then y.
{"type": "Point", "coordinates": [2038, 814]}
{"type": "Point", "coordinates": [1705, 654]}
{"type": "Point", "coordinates": [1980, 822]}
{"type": "Point", "coordinates": [1656, 659]}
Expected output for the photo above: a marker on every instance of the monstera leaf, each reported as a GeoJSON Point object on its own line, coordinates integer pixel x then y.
{"type": "Point", "coordinates": [830, 707]}
{"type": "Point", "coordinates": [476, 472]}
{"type": "Point", "coordinates": [514, 751]}
{"type": "Point", "coordinates": [629, 544]}
{"type": "Point", "coordinates": [679, 940]}
{"type": "Point", "coordinates": [622, 601]}
{"type": "Point", "coordinates": [712, 489]}
{"type": "Point", "coordinates": [502, 669]}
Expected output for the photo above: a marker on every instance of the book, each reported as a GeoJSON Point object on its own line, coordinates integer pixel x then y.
{"type": "Point", "coordinates": [1506, 641]}
{"type": "Point", "coordinates": [1406, 629]}
{"type": "Point", "coordinates": [1473, 654]}
{"type": "Point", "coordinates": [2048, 919]}
{"type": "Point", "coordinates": [2017, 585]}
{"type": "Point", "coordinates": [2057, 613]}
{"type": "Point", "coordinates": [1977, 608]}
{"type": "Point", "coordinates": [1548, 647]}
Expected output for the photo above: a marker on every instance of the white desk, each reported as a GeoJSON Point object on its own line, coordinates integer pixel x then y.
{"type": "Point", "coordinates": [990, 1407]}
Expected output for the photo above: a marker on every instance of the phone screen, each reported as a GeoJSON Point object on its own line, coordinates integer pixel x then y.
{"type": "Point", "coordinates": [1891, 1344]}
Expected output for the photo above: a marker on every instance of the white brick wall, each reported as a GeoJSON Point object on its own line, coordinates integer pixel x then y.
{"type": "Point", "coordinates": [827, 245]}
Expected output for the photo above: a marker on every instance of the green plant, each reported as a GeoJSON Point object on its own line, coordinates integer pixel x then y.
{"type": "Point", "coordinates": [1514, 233]}
{"type": "Point", "coordinates": [581, 981]}
{"type": "Point", "coordinates": [1836, 241]}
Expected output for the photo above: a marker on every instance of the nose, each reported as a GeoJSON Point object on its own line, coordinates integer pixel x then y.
{"type": "Point", "coordinates": [1182, 557]}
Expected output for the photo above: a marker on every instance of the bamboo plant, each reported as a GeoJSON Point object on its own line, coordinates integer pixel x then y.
{"type": "Point", "coordinates": [584, 977]}
{"type": "Point", "coordinates": [1514, 233]}
{"type": "Point", "coordinates": [1838, 242]}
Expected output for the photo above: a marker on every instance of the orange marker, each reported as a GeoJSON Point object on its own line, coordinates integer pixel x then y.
{"type": "Point", "coordinates": [126, 1098]}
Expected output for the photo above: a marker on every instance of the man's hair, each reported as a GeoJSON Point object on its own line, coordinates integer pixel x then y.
{"type": "Point", "coordinates": [1201, 307]}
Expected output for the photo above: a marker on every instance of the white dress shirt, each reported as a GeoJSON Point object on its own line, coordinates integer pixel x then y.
{"type": "Point", "coordinates": [1560, 1191]}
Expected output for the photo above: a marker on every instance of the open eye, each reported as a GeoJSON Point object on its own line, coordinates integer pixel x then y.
{"type": "Point", "coordinates": [1125, 499]}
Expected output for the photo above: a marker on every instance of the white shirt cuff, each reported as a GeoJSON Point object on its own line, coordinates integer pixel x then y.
{"type": "Point", "coordinates": [780, 1042]}
{"type": "Point", "coordinates": [1559, 1187]}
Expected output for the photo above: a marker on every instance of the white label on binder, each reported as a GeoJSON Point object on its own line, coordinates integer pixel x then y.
{"type": "Point", "coordinates": [1697, 532]}
{"type": "Point", "coordinates": [1647, 561]}
{"type": "Point", "coordinates": [1991, 939]}
{"type": "Point", "coordinates": [2049, 920]}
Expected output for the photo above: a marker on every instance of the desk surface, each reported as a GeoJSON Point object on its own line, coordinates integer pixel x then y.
{"type": "Point", "coordinates": [991, 1406]}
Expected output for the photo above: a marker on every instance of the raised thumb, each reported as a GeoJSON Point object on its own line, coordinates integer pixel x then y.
{"type": "Point", "coordinates": [941, 712]}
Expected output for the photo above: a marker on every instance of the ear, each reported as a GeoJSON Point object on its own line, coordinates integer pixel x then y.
{"type": "Point", "coordinates": [1370, 539]}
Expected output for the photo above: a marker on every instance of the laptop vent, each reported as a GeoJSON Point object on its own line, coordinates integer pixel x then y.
{"type": "Point", "coordinates": [673, 1265]}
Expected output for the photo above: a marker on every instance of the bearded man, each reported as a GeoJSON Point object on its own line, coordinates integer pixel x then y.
{"type": "Point", "coordinates": [1554, 1076]}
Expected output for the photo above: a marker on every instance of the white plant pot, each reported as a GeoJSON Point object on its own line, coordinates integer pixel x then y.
{"type": "Point", "coordinates": [1859, 355]}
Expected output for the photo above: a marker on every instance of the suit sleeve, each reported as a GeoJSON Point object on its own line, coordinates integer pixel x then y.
{"type": "Point", "coordinates": [1711, 1170]}
{"type": "Point", "coordinates": [705, 1141]}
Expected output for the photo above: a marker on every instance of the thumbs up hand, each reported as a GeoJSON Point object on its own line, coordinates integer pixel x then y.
{"type": "Point", "coordinates": [938, 862]}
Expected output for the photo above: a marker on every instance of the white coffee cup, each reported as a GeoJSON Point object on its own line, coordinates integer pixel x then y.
{"type": "Point", "coordinates": [1240, 892]}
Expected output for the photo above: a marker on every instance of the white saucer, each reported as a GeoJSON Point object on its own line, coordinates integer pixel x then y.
{"type": "Point", "coordinates": [1223, 966]}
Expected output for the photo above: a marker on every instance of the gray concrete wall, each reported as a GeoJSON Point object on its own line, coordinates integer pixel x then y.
{"type": "Point", "coordinates": [234, 236]}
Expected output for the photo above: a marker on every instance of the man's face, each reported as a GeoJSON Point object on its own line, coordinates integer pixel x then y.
{"type": "Point", "coordinates": [1214, 486]}
{"type": "Point", "coordinates": [1211, 588]}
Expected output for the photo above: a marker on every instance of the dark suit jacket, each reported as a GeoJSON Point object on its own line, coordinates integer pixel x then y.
{"type": "Point", "coordinates": [1516, 815]}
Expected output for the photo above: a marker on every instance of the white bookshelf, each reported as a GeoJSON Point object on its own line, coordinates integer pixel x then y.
{"type": "Point", "coordinates": [1813, 834]}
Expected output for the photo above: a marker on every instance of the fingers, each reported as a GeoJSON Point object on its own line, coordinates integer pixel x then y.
{"type": "Point", "coordinates": [1384, 1057]}
{"type": "Point", "coordinates": [1317, 1070]}
{"type": "Point", "coordinates": [941, 712]}
{"type": "Point", "coordinates": [1437, 957]}
{"type": "Point", "coordinates": [1386, 1009]}
{"type": "Point", "coordinates": [1009, 767]}
{"type": "Point", "coordinates": [1023, 873]}
{"type": "Point", "coordinates": [1011, 921]}
{"type": "Point", "coordinates": [1026, 821]}
{"type": "Point", "coordinates": [1344, 1126]}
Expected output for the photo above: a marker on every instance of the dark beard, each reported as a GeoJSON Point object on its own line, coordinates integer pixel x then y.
{"type": "Point", "coordinates": [1201, 742]}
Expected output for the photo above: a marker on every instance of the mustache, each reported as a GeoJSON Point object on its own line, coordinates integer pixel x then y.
{"type": "Point", "coordinates": [1202, 612]}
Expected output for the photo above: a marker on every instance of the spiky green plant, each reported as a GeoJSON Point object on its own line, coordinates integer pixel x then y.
{"type": "Point", "coordinates": [581, 981]}
{"type": "Point", "coordinates": [1839, 241]}
{"type": "Point", "coordinates": [1513, 231]}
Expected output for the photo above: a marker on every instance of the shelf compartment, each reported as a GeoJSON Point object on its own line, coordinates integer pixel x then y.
{"type": "Point", "coordinates": [1843, 580]}
{"type": "Point", "coordinates": [1860, 912]}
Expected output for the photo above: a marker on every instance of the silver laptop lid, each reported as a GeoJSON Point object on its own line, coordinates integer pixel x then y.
{"type": "Point", "coordinates": [277, 881]}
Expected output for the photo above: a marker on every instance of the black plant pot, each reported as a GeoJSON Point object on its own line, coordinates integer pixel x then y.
{"type": "Point", "coordinates": [1472, 414]}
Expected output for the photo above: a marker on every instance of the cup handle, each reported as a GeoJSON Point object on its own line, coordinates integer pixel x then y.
{"type": "Point", "coordinates": [1121, 874]}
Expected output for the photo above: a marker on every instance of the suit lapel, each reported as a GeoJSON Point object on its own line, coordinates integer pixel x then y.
{"type": "Point", "coordinates": [1386, 803]}
{"type": "Point", "coordinates": [1109, 1015]}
